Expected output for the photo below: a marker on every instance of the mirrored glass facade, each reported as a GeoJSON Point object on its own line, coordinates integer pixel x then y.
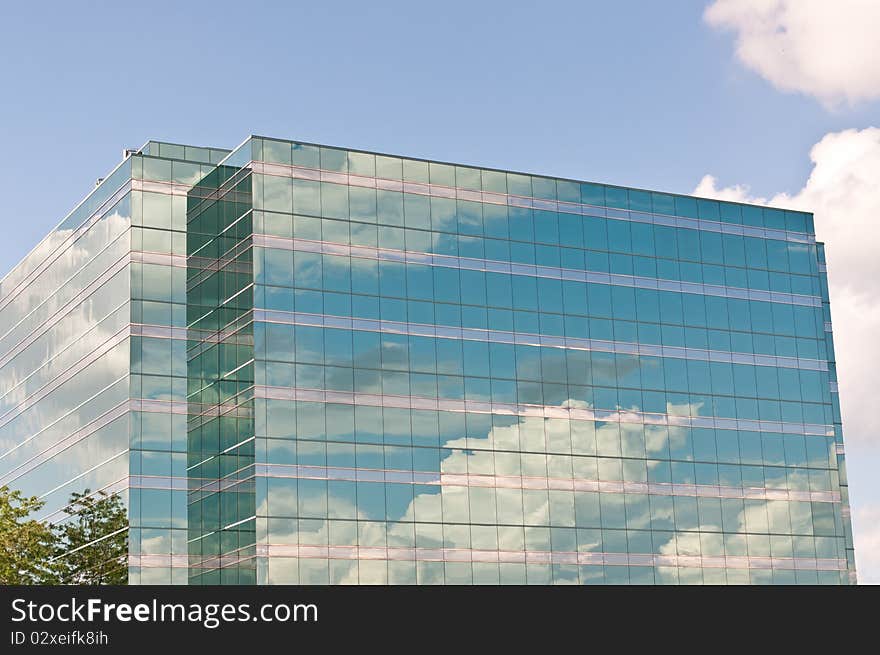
{"type": "Point", "coordinates": [332, 366]}
{"type": "Point", "coordinates": [93, 362]}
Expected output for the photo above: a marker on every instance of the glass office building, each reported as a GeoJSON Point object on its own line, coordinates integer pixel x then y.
{"type": "Point", "coordinates": [304, 364]}
{"type": "Point", "coordinates": [93, 359]}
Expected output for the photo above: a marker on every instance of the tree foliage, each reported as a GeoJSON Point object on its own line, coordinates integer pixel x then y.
{"type": "Point", "coordinates": [92, 545]}
{"type": "Point", "coordinates": [89, 546]}
{"type": "Point", "coordinates": [26, 546]}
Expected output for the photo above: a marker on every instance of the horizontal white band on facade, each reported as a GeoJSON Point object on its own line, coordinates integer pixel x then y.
{"type": "Point", "coordinates": [531, 270]}
{"type": "Point", "coordinates": [531, 339]}
{"type": "Point", "coordinates": [545, 411]}
{"type": "Point", "coordinates": [481, 556]}
{"type": "Point", "coordinates": [472, 555]}
{"type": "Point", "coordinates": [158, 258]}
{"type": "Point", "coordinates": [157, 560]}
{"type": "Point", "coordinates": [164, 187]}
{"type": "Point", "coordinates": [159, 331]}
{"type": "Point", "coordinates": [444, 479]}
{"type": "Point", "coordinates": [159, 406]}
{"type": "Point", "coordinates": [495, 198]}
{"type": "Point", "coordinates": [309, 472]}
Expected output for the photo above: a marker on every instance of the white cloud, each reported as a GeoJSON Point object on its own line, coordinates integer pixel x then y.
{"type": "Point", "coordinates": [707, 188]}
{"type": "Point", "coordinates": [866, 527]}
{"type": "Point", "coordinates": [824, 49]}
{"type": "Point", "coordinates": [843, 194]}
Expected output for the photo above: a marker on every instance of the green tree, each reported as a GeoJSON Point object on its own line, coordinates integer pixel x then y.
{"type": "Point", "coordinates": [91, 546]}
{"type": "Point", "coordinates": [26, 545]}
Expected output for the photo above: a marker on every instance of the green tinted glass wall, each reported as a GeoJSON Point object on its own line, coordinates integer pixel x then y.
{"type": "Point", "coordinates": [305, 364]}
{"type": "Point", "coordinates": [162, 174]}
{"type": "Point", "coordinates": [220, 370]}
{"type": "Point", "coordinates": [93, 327]}
{"type": "Point", "coordinates": [64, 375]}
{"type": "Point", "coordinates": [467, 375]}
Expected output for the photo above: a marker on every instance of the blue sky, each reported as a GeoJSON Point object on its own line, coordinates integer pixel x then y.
{"type": "Point", "coordinates": [633, 93]}
{"type": "Point", "coordinates": [645, 94]}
